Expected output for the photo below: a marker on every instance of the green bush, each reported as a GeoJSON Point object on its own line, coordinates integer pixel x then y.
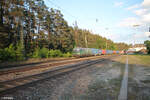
{"type": "Point", "coordinates": [36, 53]}
{"type": "Point", "coordinates": [41, 53]}
{"type": "Point", "coordinates": [68, 54]}
{"type": "Point", "coordinates": [55, 53]}
{"type": "Point", "coordinates": [58, 53]}
{"type": "Point", "coordinates": [2, 55]}
{"type": "Point", "coordinates": [8, 54]}
{"type": "Point", "coordinates": [19, 52]}
{"type": "Point", "coordinates": [51, 53]}
{"type": "Point", "coordinates": [45, 53]}
{"type": "Point", "coordinates": [15, 53]}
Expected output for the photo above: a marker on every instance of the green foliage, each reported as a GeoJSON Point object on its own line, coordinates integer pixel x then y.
{"type": "Point", "coordinates": [147, 43]}
{"type": "Point", "coordinates": [45, 53]}
{"type": "Point", "coordinates": [34, 21]}
{"type": "Point", "coordinates": [62, 37]}
{"type": "Point", "coordinates": [58, 53]}
{"type": "Point", "coordinates": [36, 53]}
{"type": "Point", "coordinates": [19, 52]}
{"type": "Point", "coordinates": [55, 53]}
{"type": "Point", "coordinates": [85, 38]}
{"type": "Point", "coordinates": [41, 53]}
{"type": "Point", "coordinates": [122, 46]}
{"type": "Point", "coordinates": [7, 54]}
{"type": "Point", "coordinates": [68, 54]}
{"type": "Point", "coordinates": [12, 53]}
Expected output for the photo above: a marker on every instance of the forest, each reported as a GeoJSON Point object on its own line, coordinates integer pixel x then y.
{"type": "Point", "coordinates": [30, 29]}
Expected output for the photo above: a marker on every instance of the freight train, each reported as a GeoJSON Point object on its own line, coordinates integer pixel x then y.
{"type": "Point", "coordinates": [81, 52]}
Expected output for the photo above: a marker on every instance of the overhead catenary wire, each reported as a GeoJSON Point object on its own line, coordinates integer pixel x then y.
{"type": "Point", "coordinates": [63, 10]}
{"type": "Point", "coordinates": [76, 19]}
{"type": "Point", "coordinates": [60, 8]}
{"type": "Point", "coordinates": [69, 14]}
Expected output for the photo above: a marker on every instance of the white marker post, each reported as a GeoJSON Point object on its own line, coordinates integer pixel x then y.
{"type": "Point", "coordinates": [124, 85]}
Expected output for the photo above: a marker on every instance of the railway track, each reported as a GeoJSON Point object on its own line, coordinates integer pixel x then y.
{"type": "Point", "coordinates": [9, 86]}
{"type": "Point", "coordinates": [11, 66]}
{"type": "Point", "coordinates": [28, 67]}
{"type": "Point", "coordinates": [44, 65]}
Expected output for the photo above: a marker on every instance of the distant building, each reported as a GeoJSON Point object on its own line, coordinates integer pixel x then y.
{"type": "Point", "coordinates": [143, 51]}
{"type": "Point", "coordinates": [137, 47]}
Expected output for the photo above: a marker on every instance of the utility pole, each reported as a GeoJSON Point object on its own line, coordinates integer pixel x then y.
{"type": "Point", "coordinates": [106, 43]}
{"type": "Point", "coordinates": [86, 41]}
{"type": "Point", "coordinates": [149, 31]}
{"type": "Point", "coordinates": [106, 38]}
{"type": "Point", "coordinates": [135, 26]}
{"type": "Point", "coordinates": [76, 33]}
{"type": "Point", "coordinates": [21, 43]}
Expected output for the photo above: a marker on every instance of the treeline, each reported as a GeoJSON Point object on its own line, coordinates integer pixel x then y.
{"type": "Point", "coordinates": [87, 39]}
{"type": "Point", "coordinates": [28, 28]}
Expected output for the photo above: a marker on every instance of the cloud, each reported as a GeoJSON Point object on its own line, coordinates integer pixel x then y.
{"type": "Point", "coordinates": [118, 4]}
{"type": "Point", "coordinates": [142, 12]}
{"type": "Point", "coordinates": [146, 18]}
{"type": "Point", "coordinates": [146, 3]}
{"type": "Point", "coordinates": [129, 22]}
{"type": "Point", "coordinates": [138, 38]}
{"type": "Point", "coordinates": [141, 17]}
{"type": "Point", "coordinates": [147, 34]}
{"type": "Point", "coordinates": [133, 7]}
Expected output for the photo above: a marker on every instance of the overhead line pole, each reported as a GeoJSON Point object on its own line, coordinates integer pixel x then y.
{"type": "Point", "coordinates": [106, 38]}
{"type": "Point", "coordinates": [75, 35]}
{"type": "Point", "coordinates": [149, 31]}
{"type": "Point", "coordinates": [136, 25]}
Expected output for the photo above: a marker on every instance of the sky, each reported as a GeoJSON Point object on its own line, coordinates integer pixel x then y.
{"type": "Point", "coordinates": [119, 20]}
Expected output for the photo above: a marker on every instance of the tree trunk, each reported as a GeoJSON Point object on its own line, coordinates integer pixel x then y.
{"type": "Point", "coordinates": [1, 13]}
{"type": "Point", "coordinates": [21, 35]}
{"type": "Point", "coordinates": [49, 36]}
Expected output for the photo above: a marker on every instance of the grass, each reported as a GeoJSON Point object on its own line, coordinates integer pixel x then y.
{"type": "Point", "coordinates": [144, 58]}
{"type": "Point", "coordinates": [135, 59]}
{"type": "Point", "coordinates": [139, 59]}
